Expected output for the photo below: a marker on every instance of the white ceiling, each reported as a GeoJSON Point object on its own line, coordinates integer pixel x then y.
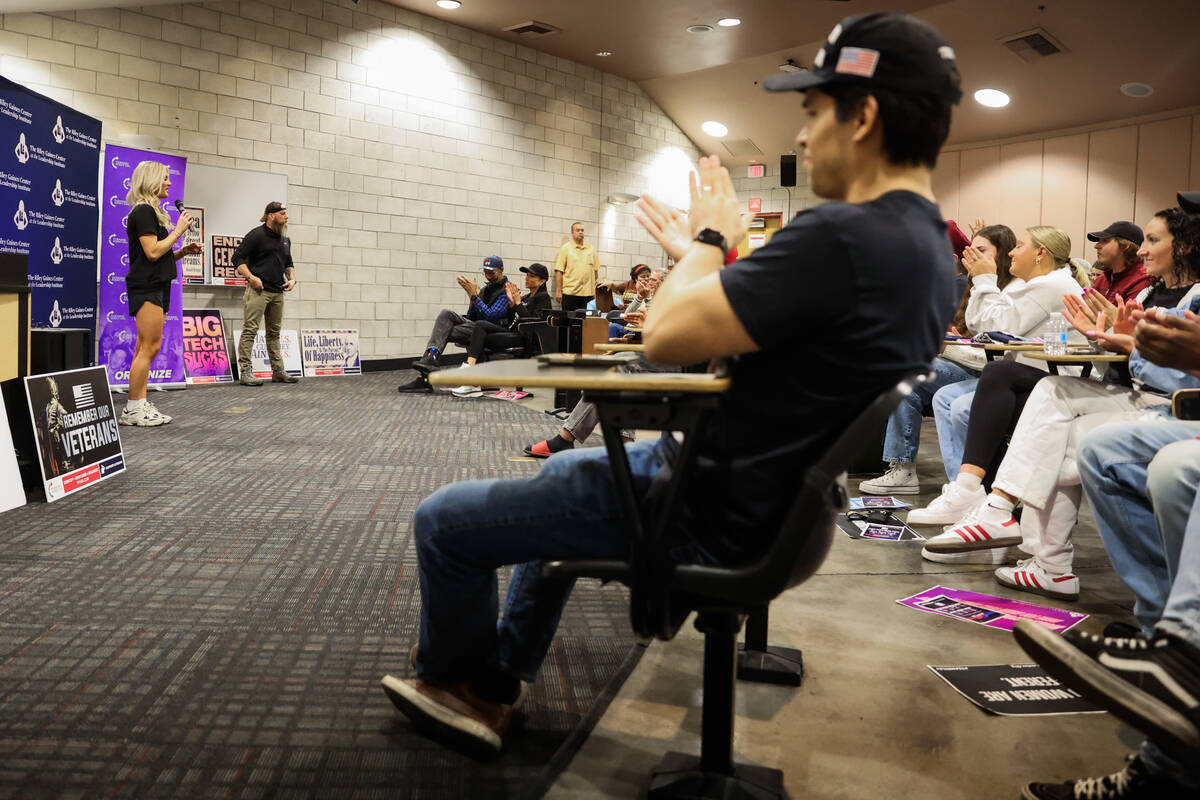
{"type": "Point", "coordinates": [714, 75]}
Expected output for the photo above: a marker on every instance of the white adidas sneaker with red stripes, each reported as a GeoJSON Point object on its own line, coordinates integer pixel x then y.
{"type": "Point", "coordinates": [1029, 576]}
{"type": "Point", "coordinates": [976, 533]}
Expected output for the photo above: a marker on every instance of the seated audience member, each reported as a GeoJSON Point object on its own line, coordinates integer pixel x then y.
{"type": "Point", "coordinates": [902, 438]}
{"type": "Point", "coordinates": [870, 143]}
{"type": "Point", "coordinates": [490, 304]}
{"type": "Point", "coordinates": [1004, 386]}
{"type": "Point", "coordinates": [1119, 271]}
{"type": "Point", "coordinates": [621, 288]}
{"type": "Point", "coordinates": [491, 336]}
{"type": "Point", "coordinates": [994, 298]}
{"type": "Point", "coordinates": [1039, 467]}
{"type": "Point", "coordinates": [1141, 479]}
{"type": "Point", "coordinates": [1041, 259]}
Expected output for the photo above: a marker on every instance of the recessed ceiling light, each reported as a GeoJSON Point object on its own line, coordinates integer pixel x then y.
{"type": "Point", "coordinates": [699, 28]}
{"type": "Point", "coordinates": [604, 53]}
{"type": "Point", "coordinates": [713, 128]}
{"type": "Point", "coordinates": [992, 98]}
{"type": "Point", "coordinates": [1136, 89]}
{"type": "Point", "coordinates": [449, 4]}
{"type": "Point", "coordinates": [729, 22]}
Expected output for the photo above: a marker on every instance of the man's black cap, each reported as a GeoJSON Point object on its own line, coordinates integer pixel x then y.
{"type": "Point", "coordinates": [1120, 229]}
{"type": "Point", "coordinates": [886, 49]}
{"type": "Point", "coordinates": [537, 269]}
{"type": "Point", "coordinates": [271, 208]}
{"type": "Point", "coordinates": [1189, 202]}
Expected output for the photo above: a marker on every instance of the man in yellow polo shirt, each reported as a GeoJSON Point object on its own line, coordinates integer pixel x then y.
{"type": "Point", "coordinates": [575, 268]}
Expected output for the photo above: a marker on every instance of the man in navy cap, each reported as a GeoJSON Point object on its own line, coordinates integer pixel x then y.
{"type": "Point", "coordinates": [489, 302]}
{"type": "Point", "coordinates": [875, 114]}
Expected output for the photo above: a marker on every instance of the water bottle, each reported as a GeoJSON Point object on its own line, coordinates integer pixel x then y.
{"type": "Point", "coordinates": [1054, 336]}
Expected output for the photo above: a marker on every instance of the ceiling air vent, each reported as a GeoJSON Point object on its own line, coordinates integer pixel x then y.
{"type": "Point", "coordinates": [533, 29]}
{"type": "Point", "coordinates": [740, 148]}
{"type": "Point", "coordinates": [1034, 44]}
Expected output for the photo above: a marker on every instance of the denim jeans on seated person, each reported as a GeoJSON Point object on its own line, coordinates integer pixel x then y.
{"type": "Point", "coordinates": [903, 436]}
{"type": "Point", "coordinates": [951, 413]}
{"type": "Point", "coordinates": [1141, 479]}
{"type": "Point", "coordinates": [464, 531]}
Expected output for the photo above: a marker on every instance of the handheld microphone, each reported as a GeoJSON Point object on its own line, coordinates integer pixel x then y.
{"type": "Point", "coordinates": [179, 205]}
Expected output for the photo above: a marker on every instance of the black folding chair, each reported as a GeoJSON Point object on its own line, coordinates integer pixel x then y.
{"type": "Point", "coordinates": [662, 593]}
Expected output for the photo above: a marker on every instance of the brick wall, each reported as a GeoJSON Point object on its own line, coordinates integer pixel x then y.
{"type": "Point", "coordinates": [413, 148]}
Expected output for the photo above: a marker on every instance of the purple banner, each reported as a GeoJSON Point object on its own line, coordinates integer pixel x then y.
{"type": "Point", "coordinates": [989, 610]}
{"type": "Point", "coordinates": [116, 333]}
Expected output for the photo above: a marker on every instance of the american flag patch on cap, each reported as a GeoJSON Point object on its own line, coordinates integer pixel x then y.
{"type": "Point", "coordinates": [857, 61]}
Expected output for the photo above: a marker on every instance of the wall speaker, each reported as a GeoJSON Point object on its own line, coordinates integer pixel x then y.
{"type": "Point", "coordinates": [787, 170]}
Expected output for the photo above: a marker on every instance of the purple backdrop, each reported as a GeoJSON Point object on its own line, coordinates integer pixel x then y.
{"type": "Point", "coordinates": [115, 331]}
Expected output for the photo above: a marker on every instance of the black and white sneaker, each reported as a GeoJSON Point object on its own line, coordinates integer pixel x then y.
{"type": "Point", "coordinates": [1131, 783]}
{"type": "Point", "coordinates": [1151, 683]}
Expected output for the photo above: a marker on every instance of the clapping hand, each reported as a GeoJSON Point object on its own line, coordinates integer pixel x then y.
{"type": "Point", "coordinates": [514, 294]}
{"type": "Point", "coordinates": [715, 203]}
{"type": "Point", "coordinates": [1169, 341]}
{"type": "Point", "coordinates": [976, 263]}
{"type": "Point", "coordinates": [668, 226]}
{"type": "Point", "coordinates": [469, 286]}
{"type": "Point", "coordinates": [1098, 302]}
{"type": "Point", "coordinates": [979, 224]}
{"type": "Point", "coordinates": [1118, 341]}
{"type": "Point", "coordinates": [191, 249]}
{"type": "Point", "coordinates": [635, 318]}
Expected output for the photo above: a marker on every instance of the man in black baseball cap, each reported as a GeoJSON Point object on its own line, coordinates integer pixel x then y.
{"type": "Point", "coordinates": [1189, 202]}
{"type": "Point", "coordinates": [1121, 272]}
{"type": "Point", "coordinates": [878, 246]}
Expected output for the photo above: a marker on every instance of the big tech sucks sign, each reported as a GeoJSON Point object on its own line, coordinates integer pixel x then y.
{"type": "Point", "coordinates": [205, 354]}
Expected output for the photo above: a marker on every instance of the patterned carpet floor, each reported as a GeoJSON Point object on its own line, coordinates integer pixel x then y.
{"type": "Point", "coordinates": [215, 621]}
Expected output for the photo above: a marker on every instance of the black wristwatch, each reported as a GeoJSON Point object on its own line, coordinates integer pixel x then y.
{"type": "Point", "coordinates": [709, 236]}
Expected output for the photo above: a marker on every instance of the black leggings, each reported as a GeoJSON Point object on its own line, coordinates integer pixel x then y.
{"type": "Point", "coordinates": [490, 336]}
{"type": "Point", "coordinates": [999, 399]}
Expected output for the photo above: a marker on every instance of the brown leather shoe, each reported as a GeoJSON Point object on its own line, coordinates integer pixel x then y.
{"type": "Point", "coordinates": [452, 714]}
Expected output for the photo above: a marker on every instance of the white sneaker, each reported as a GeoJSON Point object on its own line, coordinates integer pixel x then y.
{"type": "Point", "coordinates": [979, 529]}
{"type": "Point", "coordinates": [997, 555]}
{"type": "Point", "coordinates": [464, 390]}
{"type": "Point", "coordinates": [145, 417]}
{"type": "Point", "coordinates": [899, 479]}
{"type": "Point", "coordinates": [1029, 576]}
{"type": "Point", "coordinates": [955, 501]}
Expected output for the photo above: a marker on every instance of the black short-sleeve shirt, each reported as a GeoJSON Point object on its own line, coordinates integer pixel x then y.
{"type": "Point", "coordinates": [144, 273]}
{"type": "Point", "coordinates": [843, 302]}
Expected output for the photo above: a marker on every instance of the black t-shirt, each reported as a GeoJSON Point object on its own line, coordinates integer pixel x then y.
{"type": "Point", "coordinates": [267, 255]}
{"type": "Point", "coordinates": [843, 302]}
{"type": "Point", "coordinates": [144, 273]}
{"type": "Point", "coordinates": [1160, 296]}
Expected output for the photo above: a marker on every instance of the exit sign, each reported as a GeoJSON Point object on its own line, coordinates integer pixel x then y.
{"type": "Point", "coordinates": [755, 170]}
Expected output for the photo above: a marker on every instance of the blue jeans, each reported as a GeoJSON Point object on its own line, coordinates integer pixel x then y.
{"type": "Point", "coordinates": [1172, 482]}
{"type": "Point", "coordinates": [903, 437]}
{"type": "Point", "coordinates": [1155, 548]}
{"type": "Point", "coordinates": [951, 413]}
{"type": "Point", "coordinates": [1113, 463]}
{"type": "Point", "coordinates": [465, 530]}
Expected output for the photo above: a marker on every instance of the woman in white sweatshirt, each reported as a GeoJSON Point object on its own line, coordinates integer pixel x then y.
{"type": "Point", "coordinates": [1041, 261]}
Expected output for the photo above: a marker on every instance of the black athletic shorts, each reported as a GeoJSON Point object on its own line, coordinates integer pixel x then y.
{"type": "Point", "coordinates": [160, 297]}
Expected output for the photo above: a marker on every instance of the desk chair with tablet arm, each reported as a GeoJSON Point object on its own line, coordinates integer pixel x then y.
{"type": "Point", "coordinates": [662, 594]}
